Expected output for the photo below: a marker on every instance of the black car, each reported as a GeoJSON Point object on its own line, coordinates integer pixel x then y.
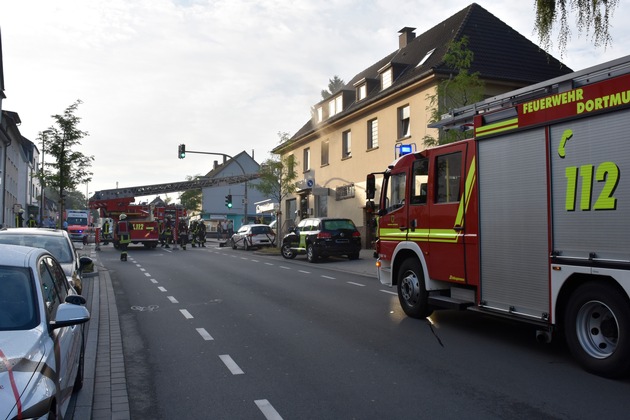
{"type": "Point", "coordinates": [323, 237]}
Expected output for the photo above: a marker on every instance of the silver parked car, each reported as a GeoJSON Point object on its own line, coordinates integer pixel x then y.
{"type": "Point", "coordinates": [55, 241]}
{"type": "Point", "coordinates": [41, 339]}
{"type": "Point", "coordinates": [253, 236]}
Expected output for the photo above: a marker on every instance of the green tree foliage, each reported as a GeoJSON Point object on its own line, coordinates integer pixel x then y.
{"type": "Point", "coordinates": [278, 177]}
{"type": "Point", "coordinates": [591, 15]}
{"type": "Point", "coordinates": [66, 167]}
{"type": "Point", "coordinates": [191, 199]}
{"type": "Point", "coordinates": [334, 85]}
{"type": "Point", "coordinates": [460, 89]}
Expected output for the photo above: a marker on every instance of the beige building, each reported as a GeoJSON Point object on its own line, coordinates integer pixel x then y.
{"type": "Point", "coordinates": [360, 129]}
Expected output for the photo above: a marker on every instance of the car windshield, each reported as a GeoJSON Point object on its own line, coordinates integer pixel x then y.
{"type": "Point", "coordinates": [56, 245]}
{"type": "Point", "coordinates": [338, 224]}
{"type": "Point", "coordinates": [17, 307]}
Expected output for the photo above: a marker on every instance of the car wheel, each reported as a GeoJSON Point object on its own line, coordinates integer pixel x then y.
{"type": "Point", "coordinates": [287, 252]}
{"type": "Point", "coordinates": [311, 254]}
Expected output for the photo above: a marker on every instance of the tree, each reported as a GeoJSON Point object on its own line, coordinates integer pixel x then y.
{"type": "Point", "coordinates": [592, 15]}
{"type": "Point", "coordinates": [460, 89]}
{"type": "Point", "coordinates": [68, 168]}
{"type": "Point", "coordinates": [334, 85]}
{"type": "Point", "coordinates": [278, 178]}
{"type": "Point", "coordinates": [191, 199]}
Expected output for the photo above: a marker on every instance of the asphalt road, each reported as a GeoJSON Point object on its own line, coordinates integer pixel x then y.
{"type": "Point", "coordinates": [218, 333]}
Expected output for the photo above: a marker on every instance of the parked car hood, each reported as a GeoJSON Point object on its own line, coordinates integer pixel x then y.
{"type": "Point", "coordinates": [21, 358]}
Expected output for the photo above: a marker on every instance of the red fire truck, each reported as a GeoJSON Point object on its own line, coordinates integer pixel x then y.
{"type": "Point", "coordinates": [143, 217]}
{"type": "Point", "coordinates": [529, 219]}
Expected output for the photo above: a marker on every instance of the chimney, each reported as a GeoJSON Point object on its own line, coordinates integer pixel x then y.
{"type": "Point", "coordinates": [216, 163]}
{"type": "Point", "coordinates": [406, 36]}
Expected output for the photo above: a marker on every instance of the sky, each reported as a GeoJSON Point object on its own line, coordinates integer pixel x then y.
{"type": "Point", "coordinates": [220, 76]}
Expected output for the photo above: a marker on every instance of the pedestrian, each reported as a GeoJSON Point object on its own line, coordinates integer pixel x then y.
{"type": "Point", "coordinates": [193, 233]}
{"type": "Point", "coordinates": [123, 230]}
{"type": "Point", "coordinates": [224, 228]}
{"type": "Point", "coordinates": [182, 231]}
{"type": "Point", "coordinates": [230, 228]}
{"type": "Point", "coordinates": [31, 222]}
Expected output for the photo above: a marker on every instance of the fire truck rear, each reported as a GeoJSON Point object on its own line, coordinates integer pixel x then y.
{"type": "Point", "coordinates": [527, 220]}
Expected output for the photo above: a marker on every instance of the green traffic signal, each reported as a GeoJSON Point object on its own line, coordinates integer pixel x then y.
{"type": "Point", "coordinates": [228, 201]}
{"type": "Point", "coordinates": [181, 151]}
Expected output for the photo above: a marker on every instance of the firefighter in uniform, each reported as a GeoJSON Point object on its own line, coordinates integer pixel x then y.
{"type": "Point", "coordinates": [182, 231]}
{"type": "Point", "coordinates": [123, 230]}
{"type": "Point", "coordinates": [106, 232]}
{"type": "Point", "coordinates": [168, 231]}
{"type": "Point", "coordinates": [31, 222]}
{"type": "Point", "coordinates": [19, 218]}
{"type": "Point", "coordinates": [193, 233]}
{"type": "Point", "coordinates": [201, 233]}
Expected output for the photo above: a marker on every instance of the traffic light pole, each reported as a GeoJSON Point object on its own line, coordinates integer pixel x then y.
{"type": "Point", "coordinates": [182, 148]}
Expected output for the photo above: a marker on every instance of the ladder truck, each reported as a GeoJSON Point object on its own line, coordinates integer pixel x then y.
{"type": "Point", "coordinates": [146, 218]}
{"type": "Point", "coordinates": [529, 219]}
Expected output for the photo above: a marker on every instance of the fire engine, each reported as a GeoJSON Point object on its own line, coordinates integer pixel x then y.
{"type": "Point", "coordinates": [144, 218]}
{"type": "Point", "coordinates": [527, 220]}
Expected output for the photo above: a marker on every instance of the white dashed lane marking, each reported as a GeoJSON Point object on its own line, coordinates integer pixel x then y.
{"type": "Point", "coordinates": [356, 284]}
{"type": "Point", "coordinates": [267, 409]}
{"type": "Point", "coordinates": [186, 314]}
{"type": "Point", "coordinates": [204, 334]}
{"type": "Point", "coordinates": [231, 364]}
{"type": "Point", "coordinates": [162, 289]}
{"type": "Point", "coordinates": [328, 277]}
{"type": "Point", "coordinates": [172, 299]}
{"type": "Point", "coordinates": [389, 292]}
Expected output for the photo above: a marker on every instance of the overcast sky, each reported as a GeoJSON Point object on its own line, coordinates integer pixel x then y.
{"type": "Point", "coordinates": [221, 76]}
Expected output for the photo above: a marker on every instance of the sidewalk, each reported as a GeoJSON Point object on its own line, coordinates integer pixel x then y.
{"type": "Point", "coordinates": [104, 393]}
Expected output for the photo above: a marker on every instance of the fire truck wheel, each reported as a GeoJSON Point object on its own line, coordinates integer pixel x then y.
{"type": "Point", "coordinates": [597, 329]}
{"type": "Point", "coordinates": [411, 291]}
{"type": "Point", "coordinates": [311, 254]}
{"type": "Point", "coordinates": [287, 252]}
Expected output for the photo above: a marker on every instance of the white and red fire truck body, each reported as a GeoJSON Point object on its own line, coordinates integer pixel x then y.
{"type": "Point", "coordinates": [529, 219]}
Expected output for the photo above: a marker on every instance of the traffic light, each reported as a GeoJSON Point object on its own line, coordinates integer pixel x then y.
{"type": "Point", "coordinates": [181, 152]}
{"type": "Point", "coordinates": [228, 201]}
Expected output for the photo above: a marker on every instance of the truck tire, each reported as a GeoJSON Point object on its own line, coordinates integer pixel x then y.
{"type": "Point", "coordinates": [311, 254]}
{"type": "Point", "coordinates": [412, 293]}
{"type": "Point", "coordinates": [287, 252]}
{"type": "Point", "coordinates": [597, 329]}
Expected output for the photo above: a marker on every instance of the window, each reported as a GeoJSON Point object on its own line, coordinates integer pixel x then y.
{"type": "Point", "coordinates": [426, 57]}
{"type": "Point", "coordinates": [321, 201]}
{"type": "Point", "coordinates": [372, 140]}
{"type": "Point", "coordinates": [362, 92]}
{"type": "Point", "coordinates": [395, 197]}
{"type": "Point", "coordinates": [307, 159]}
{"type": "Point", "coordinates": [448, 178]}
{"type": "Point", "coordinates": [335, 106]}
{"type": "Point", "coordinates": [419, 182]}
{"type": "Point", "coordinates": [320, 114]}
{"type": "Point", "coordinates": [386, 79]}
{"type": "Point", "coordinates": [346, 144]}
{"type": "Point", "coordinates": [403, 122]}
{"type": "Point", "coordinates": [325, 146]}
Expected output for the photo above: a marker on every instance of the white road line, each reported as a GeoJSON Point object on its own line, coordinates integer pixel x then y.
{"type": "Point", "coordinates": [356, 284]}
{"type": "Point", "coordinates": [328, 277]}
{"type": "Point", "coordinates": [269, 263]}
{"type": "Point", "coordinates": [389, 292]}
{"type": "Point", "coordinates": [267, 409]}
{"type": "Point", "coordinates": [138, 265]}
{"type": "Point", "coordinates": [204, 334]}
{"type": "Point", "coordinates": [255, 261]}
{"type": "Point", "coordinates": [154, 281]}
{"type": "Point", "coordinates": [186, 314]}
{"type": "Point", "coordinates": [141, 269]}
{"type": "Point", "coordinates": [172, 299]}
{"type": "Point", "coordinates": [147, 274]}
{"type": "Point", "coordinates": [305, 272]}
{"type": "Point", "coordinates": [284, 267]}
{"type": "Point", "coordinates": [161, 289]}
{"type": "Point", "coordinates": [231, 364]}
{"type": "Point", "coordinates": [244, 258]}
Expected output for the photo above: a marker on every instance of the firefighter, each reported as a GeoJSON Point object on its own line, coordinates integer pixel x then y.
{"type": "Point", "coordinates": [201, 233]}
{"type": "Point", "coordinates": [182, 231]}
{"type": "Point", "coordinates": [168, 231]}
{"type": "Point", "coordinates": [106, 232]}
{"type": "Point", "coordinates": [123, 230]}
{"type": "Point", "coordinates": [19, 218]}
{"type": "Point", "coordinates": [193, 232]}
{"type": "Point", "coordinates": [31, 222]}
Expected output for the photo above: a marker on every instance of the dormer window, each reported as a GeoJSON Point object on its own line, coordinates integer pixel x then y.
{"type": "Point", "coordinates": [386, 78]}
{"type": "Point", "coordinates": [335, 106]}
{"type": "Point", "coordinates": [320, 114]}
{"type": "Point", "coordinates": [362, 92]}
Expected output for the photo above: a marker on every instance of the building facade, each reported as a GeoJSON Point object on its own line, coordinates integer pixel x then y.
{"type": "Point", "coordinates": [360, 128]}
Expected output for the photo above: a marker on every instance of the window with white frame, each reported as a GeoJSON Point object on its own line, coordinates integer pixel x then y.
{"type": "Point", "coordinates": [320, 114]}
{"type": "Point", "coordinates": [362, 92]}
{"type": "Point", "coordinates": [372, 129]}
{"type": "Point", "coordinates": [386, 78]}
{"type": "Point", "coordinates": [307, 159]}
{"type": "Point", "coordinates": [404, 129]}
{"type": "Point", "coordinates": [325, 146]}
{"type": "Point", "coordinates": [335, 106]}
{"type": "Point", "coordinates": [346, 144]}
